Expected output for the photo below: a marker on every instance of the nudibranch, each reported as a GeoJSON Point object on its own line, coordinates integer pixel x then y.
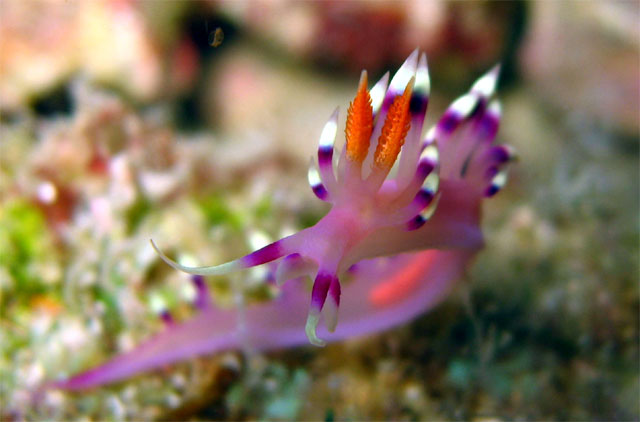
{"type": "Point", "coordinates": [372, 214]}
{"type": "Point", "coordinates": [404, 224]}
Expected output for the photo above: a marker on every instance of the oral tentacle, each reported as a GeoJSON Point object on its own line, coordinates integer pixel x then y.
{"type": "Point", "coordinates": [418, 109]}
{"type": "Point", "coordinates": [318, 297]}
{"type": "Point", "coordinates": [266, 254]}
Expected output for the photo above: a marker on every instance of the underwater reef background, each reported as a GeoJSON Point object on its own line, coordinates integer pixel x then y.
{"type": "Point", "coordinates": [125, 120]}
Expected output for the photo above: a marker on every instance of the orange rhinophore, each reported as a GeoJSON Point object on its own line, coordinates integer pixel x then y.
{"type": "Point", "coordinates": [359, 123]}
{"type": "Point", "coordinates": [394, 130]}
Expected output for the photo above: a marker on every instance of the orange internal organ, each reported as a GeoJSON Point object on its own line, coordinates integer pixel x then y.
{"type": "Point", "coordinates": [359, 123]}
{"type": "Point", "coordinates": [403, 283]}
{"type": "Point", "coordinates": [394, 131]}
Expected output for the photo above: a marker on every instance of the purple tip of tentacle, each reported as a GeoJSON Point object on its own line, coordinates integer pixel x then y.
{"type": "Point", "coordinates": [488, 127]}
{"type": "Point", "coordinates": [263, 255]}
{"type": "Point", "coordinates": [489, 121]}
{"type": "Point", "coordinates": [415, 223]}
{"type": "Point", "coordinates": [491, 190]}
{"type": "Point", "coordinates": [425, 167]}
{"type": "Point", "coordinates": [320, 290]}
{"type": "Point", "coordinates": [424, 197]}
{"type": "Point", "coordinates": [491, 172]}
{"type": "Point", "coordinates": [500, 154]}
{"type": "Point", "coordinates": [166, 317]}
{"type": "Point", "coordinates": [460, 110]}
{"type": "Point", "coordinates": [418, 104]}
{"type": "Point", "coordinates": [400, 80]}
{"type": "Point", "coordinates": [420, 96]}
{"type": "Point", "coordinates": [325, 155]}
{"type": "Point", "coordinates": [202, 300]}
{"type": "Point", "coordinates": [497, 183]}
{"type": "Point", "coordinates": [315, 181]}
{"type": "Point", "coordinates": [325, 150]}
{"type": "Point", "coordinates": [198, 281]}
{"type": "Point", "coordinates": [449, 122]}
{"type": "Point", "coordinates": [320, 191]}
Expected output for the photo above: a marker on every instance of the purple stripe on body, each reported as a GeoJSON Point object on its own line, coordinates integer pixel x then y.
{"type": "Point", "coordinates": [320, 191]}
{"type": "Point", "coordinates": [263, 255]}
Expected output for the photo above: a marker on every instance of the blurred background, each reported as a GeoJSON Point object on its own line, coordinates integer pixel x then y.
{"type": "Point", "coordinates": [124, 120]}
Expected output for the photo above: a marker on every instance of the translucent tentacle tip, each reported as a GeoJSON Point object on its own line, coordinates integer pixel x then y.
{"type": "Point", "coordinates": [310, 329]}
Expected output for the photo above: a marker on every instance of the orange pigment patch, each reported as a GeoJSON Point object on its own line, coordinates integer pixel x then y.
{"type": "Point", "coordinates": [395, 129]}
{"type": "Point", "coordinates": [403, 283]}
{"type": "Point", "coordinates": [359, 123]}
{"type": "Point", "coordinates": [45, 304]}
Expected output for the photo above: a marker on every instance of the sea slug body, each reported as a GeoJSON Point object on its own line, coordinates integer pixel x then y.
{"type": "Point", "coordinates": [404, 224]}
